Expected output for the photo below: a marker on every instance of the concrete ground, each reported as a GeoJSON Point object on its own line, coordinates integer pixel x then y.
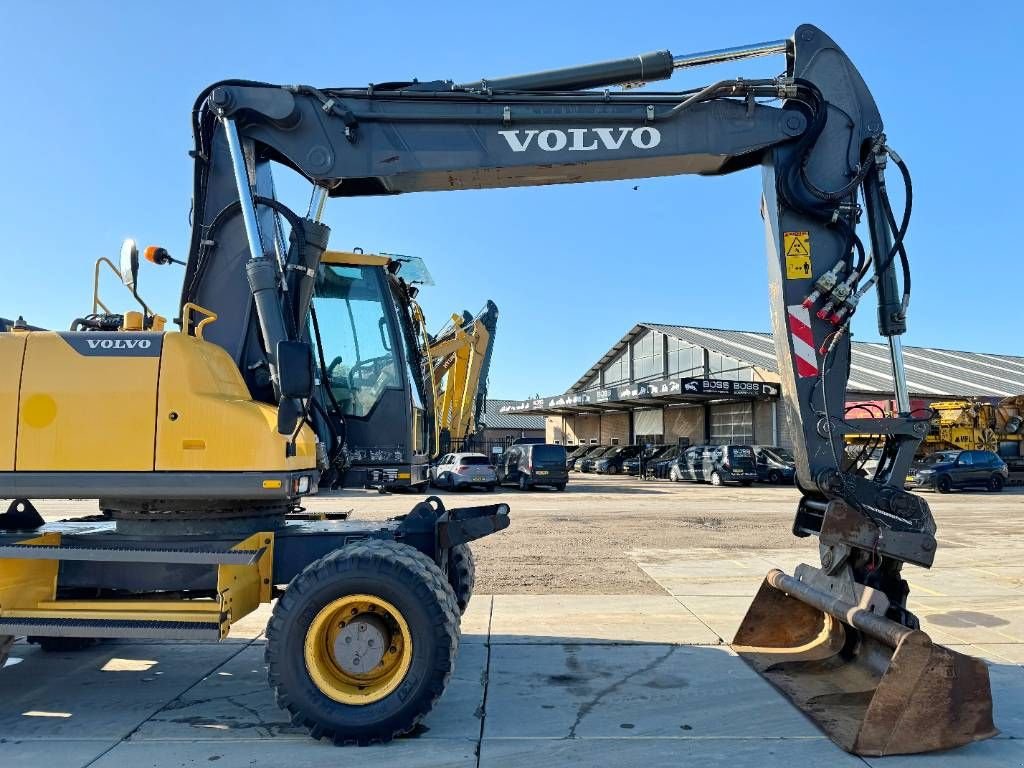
{"type": "Point", "coordinates": [598, 636]}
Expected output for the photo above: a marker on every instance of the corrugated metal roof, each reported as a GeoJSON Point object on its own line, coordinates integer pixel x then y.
{"type": "Point", "coordinates": [930, 371]}
{"type": "Point", "coordinates": [493, 419]}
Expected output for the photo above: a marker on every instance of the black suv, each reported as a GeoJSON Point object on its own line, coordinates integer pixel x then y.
{"type": "Point", "coordinates": [947, 470]}
{"type": "Point", "coordinates": [611, 463]}
{"type": "Point", "coordinates": [660, 466]}
{"type": "Point", "coordinates": [631, 466]}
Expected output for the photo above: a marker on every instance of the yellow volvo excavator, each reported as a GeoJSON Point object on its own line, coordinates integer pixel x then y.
{"type": "Point", "coordinates": [201, 443]}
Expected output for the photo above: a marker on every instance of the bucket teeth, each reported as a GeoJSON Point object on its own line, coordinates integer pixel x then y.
{"type": "Point", "coordinates": [875, 687]}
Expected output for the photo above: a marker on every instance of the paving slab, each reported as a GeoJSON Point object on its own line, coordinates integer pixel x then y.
{"type": "Point", "coordinates": [994, 753]}
{"type": "Point", "coordinates": [61, 753]}
{"type": "Point", "coordinates": [103, 692]}
{"type": "Point", "coordinates": [595, 619]}
{"type": "Point", "coordinates": [407, 753]}
{"type": "Point", "coordinates": [476, 621]}
{"type": "Point", "coordinates": [236, 703]}
{"type": "Point", "coordinates": [991, 619]}
{"type": "Point", "coordinates": [565, 691]}
{"type": "Point", "coordinates": [664, 753]}
{"type": "Point", "coordinates": [723, 614]}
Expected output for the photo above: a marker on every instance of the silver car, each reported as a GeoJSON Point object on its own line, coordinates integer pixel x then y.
{"type": "Point", "coordinates": [462, 470]}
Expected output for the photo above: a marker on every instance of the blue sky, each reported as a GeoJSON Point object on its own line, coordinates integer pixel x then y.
{"type": "Point", "coordinates": [95, 126]}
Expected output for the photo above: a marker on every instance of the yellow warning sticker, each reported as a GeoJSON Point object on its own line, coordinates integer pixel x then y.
{"type": "Point", "coordinates": [798, 255]}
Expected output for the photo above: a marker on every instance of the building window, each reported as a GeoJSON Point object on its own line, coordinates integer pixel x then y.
{"type": "Point", "coordinates": [593, 441]}
{"type": "Point", "coordinates": [649, 356]}
{"type": "Point", "coordinates": [615, 441]}
{"type": "Point", "coordinates": [617, 371]}
{"type": "Point", "coordinates": [684, 359]}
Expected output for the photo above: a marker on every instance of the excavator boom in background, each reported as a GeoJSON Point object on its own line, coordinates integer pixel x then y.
{"type": "Point", "coordinates": [243, 405]}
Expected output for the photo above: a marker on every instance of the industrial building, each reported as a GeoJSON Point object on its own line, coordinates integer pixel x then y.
{"type": "Point", "coordinates": [660, 383]}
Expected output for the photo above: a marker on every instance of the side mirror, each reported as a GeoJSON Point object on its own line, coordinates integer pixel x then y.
{"type": "Point", "coordinates": [129, 264]}
{"type": "Point", "coordinates": [295, 369]}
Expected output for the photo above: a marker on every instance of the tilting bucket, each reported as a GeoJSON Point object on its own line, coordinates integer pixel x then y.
{"type": "Point", "coordinates": [873, 685]}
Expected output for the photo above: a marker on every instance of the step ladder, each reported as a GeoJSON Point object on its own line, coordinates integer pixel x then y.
{"type": "Point", "coordinates": [29, 587]}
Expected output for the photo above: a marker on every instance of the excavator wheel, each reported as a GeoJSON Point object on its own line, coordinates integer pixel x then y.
{"type": "Point", "coordinates": [462, 574]}
{"type": "Point", "coordinates": [6, 643]}
{"type": "Point", "coordinates": [63, 644]}
{"type": "Point", "coordinates": [363, 642]}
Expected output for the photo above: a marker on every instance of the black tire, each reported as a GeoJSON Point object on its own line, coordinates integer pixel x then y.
{"type": "Point", "coordinates": [523, 484]}
{"type": "Point", "coordinates": [416, 587]}
{"type": "Point", "coordinates": [560, 487]}
{"type": "Point", "coordinates": [6, 643]}
{"type": "Point", "coordinates": [774, 477]}
{"type": "Point", "coordinates": [944, 484]}
{"type": "Point", "coordinates": [62, 644]}
{"type": "Point", "coordinates": [996, 483]}
{"type": "Point", "coordinates": [461, 574]}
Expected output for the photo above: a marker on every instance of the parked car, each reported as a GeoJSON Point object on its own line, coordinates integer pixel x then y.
{"type": "Point", "coordinates": [631, 466]}
{"type": "Point", "coordinates": [463, 470]}
{"type": "Point", "coordinates": [774, 465]}
{"type": "Point", "coordinates": [574, 465]}
{"type": "Point", "coordinates": [660, 467]}
{"type": "Point", "coordinates": [533, 464]}
{"type": "Point", "coordinates": [611, 463]}
{"type": "Point", "coordinates": [716, 464]}
{"type": "Point", "coordinates": [946, 470]}
{"type": "Point", "coordinates": [575, 453]}
{"type": "Point", "coordinates": [587, 463]}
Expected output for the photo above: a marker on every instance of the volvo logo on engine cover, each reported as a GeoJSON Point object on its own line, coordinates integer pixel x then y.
{"type": "Point", "coordinates": [119, 343]}
{"type": "Point", "coordinates": [582, 139]}
{"type": "Point", "coordinates": [114, 344]}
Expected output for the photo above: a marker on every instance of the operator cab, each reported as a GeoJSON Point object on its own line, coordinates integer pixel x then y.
{"type": "Point", "coordinates": [369, 380]}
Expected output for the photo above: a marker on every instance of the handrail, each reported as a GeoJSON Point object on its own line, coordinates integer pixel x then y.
{"type": "Point", "coordinates": [187, 309]}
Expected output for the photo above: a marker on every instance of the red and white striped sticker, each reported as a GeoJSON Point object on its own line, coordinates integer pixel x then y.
{"type": "Point", "coordinates": [800, 332]}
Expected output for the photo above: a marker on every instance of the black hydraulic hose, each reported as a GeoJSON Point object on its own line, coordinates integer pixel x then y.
{"type": "Point", "coordinates": [899, 232]}
{"type": "Point", "coordinates": [232, 209]}
{"type": "Point", "coordinates": [340, 431]}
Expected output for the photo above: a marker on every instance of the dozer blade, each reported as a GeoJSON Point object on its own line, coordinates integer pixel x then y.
{"type": "Point", "coordinates": [873, 685]}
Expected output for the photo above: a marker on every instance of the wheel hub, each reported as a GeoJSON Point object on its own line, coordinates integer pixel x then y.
{"type": "Point", "coordinates": [361, 644]}
{"type": "Point", "coordinates": [358, 649]}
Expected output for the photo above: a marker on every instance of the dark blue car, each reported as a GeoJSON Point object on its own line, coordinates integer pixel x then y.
{"type": "Point", "coordinates": [774, 465]}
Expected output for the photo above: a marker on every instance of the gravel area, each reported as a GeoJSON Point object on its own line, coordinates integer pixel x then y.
{"type": "Point", "coordinates": [580, 541]}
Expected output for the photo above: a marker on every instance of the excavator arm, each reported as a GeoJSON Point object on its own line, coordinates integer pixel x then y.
{"type": "Point", "coordinates": [459, 357]}
{"type": "Point", "coordinates": [818, 138]}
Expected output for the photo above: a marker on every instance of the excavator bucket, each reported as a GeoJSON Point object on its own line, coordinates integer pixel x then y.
{"type": "Point", "coordinates": [873, 685]}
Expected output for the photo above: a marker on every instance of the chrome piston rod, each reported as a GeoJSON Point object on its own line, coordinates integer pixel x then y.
{"type": "Point", "coordinates": [736, 53]}
{"type": "Point", "coordinates": [899, 374]}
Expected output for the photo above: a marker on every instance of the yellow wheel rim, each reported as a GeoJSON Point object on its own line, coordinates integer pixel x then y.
{"type": "Point", "coordinates": [358, 649]}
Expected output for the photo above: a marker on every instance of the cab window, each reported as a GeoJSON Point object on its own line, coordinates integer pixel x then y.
{"type": "Point", "coordinates": [353, 308]}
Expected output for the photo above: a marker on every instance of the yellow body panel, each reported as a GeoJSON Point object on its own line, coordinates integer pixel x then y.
{"type": "Point", "coordinates": [206, 420]}
{"type": "Point", "coordinates": [84, 413]}
{"type": "Point", "coordinates": [12, 353]}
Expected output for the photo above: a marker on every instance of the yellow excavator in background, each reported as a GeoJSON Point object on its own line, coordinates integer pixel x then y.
{"type": "Point", "coordinates": [458, 359]}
